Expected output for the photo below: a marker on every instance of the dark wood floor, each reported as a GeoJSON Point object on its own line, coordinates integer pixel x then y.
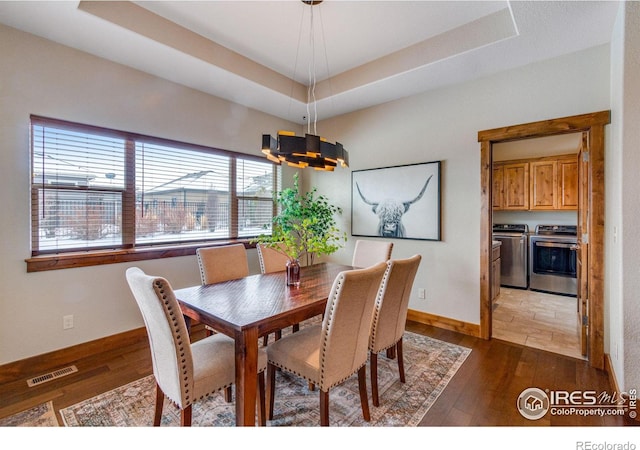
{"type": "Point", "coordinates": [482, 393]}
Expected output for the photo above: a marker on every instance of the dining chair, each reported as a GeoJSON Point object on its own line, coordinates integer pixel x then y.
{"type": "Point", "coordinates": [390, 316]}
{"type": "Point", "coordinates": [367, 253]}
{"type": "Point", "coordinates": [272, 261]}
{"type": "Point", "coordinates": [329, 353]}
{"type": "Point", "coordinates": [218, 264]}
{"type": "Point", "coordinates": [222, 263]}
{"type": "Point", "coordinates": [185, 372]}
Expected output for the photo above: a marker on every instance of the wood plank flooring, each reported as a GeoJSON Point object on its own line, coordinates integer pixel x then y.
{"type": "Point", "coordinates": [482, 393]}
{"type": "Point", "coordinates": [485, 389]}
{"type": "Point", "coordinates": [537, 319]}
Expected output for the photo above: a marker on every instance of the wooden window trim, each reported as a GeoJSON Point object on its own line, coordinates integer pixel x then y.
{"type": "Point", "coordinates": [44, 261]}
{"type": "Point", "coordinates": [102, 257]}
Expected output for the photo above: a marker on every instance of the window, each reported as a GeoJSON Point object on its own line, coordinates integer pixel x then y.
{"type": "Point", "coordinates": [95, 190]}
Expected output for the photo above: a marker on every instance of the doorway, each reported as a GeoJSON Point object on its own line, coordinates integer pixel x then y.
{"type": "Point", "coordinates": [590, 219]}
{"type": "Point", "coordinates": [538, 315]}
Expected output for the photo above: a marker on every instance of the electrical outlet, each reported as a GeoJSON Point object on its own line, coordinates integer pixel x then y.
{"type": "Point", "coordinates": [422, 293]}
{"type": "Point", "coordinates": [67, 322]}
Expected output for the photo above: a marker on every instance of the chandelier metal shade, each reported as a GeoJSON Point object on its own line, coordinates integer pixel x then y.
{"type": "Point", "coordinates": [309, 150]}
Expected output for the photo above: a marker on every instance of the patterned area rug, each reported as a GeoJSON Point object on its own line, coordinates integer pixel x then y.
{"type": "Point", "coordinates": [429, 365]}
{"type": "Point", "coordinates": [42, 415]}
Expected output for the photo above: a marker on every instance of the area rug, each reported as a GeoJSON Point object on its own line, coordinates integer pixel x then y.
{"type": "Point", "coordinates": [429, 366]}
{"type": "Point", "coordinates": [42, 415]}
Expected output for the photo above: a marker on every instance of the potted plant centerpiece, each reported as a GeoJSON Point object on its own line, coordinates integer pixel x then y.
{"type": "Point", "coordinates": [305, 227]}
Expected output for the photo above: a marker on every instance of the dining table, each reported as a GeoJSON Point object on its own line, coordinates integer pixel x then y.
{"type": "Point", "coordinates": [247, 308]}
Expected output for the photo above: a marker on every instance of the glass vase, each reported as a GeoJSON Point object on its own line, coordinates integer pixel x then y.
{"type": "Point", "coordinates": [293, 273]}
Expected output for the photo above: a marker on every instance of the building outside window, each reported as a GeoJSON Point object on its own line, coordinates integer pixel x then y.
{"type": "Point", "coordinates": [98, 189]}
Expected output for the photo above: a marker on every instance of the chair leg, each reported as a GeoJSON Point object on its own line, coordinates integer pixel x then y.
{"type": "Point", "coordinates": [185, 417]}
{"type": "Point", "coordinates": [400, 360]}
{"type": "Point", "coordinates": [295, 328]}
{"type": "Point", "coordinates": [262, 413]}
{"type": "Point", "coordinates": [362, 387]}
{"type": "Point", "coordinates": [391, 352]}
{"type": "Point", "coordinates": [265, 340]}
{"type": "Point", "coordinates": [373, 360]}
{"type": "Point", "coordinates": [278, 335]}
{"type": "Point", "coordinates": [271, 388]}
{"type": "Point", "coordinates": [157, 417]}
{"type": "Point", "coordinates": [228, 397]}
{"type": "Point", "coordinates": [312, 387]}
{"type": "Point", "coordinates": [324, 408]}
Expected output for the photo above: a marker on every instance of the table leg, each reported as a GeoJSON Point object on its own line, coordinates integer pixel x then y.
{"type": "Point", "coordinates": [187, 321]}
{"type": "Point", "coordinates": [246, 376]}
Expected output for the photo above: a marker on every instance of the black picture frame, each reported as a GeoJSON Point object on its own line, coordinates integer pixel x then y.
{"type": "Point", "coordinates": [399, 202]}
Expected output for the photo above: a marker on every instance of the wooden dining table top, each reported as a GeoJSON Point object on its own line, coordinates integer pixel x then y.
{"type": "Point", "coordinates": [259, 300]}
{"type": "Point", "coordinates": [254, 306]}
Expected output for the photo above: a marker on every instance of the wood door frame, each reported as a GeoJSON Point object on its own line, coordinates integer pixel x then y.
{"type": "Point", "coordinates": [593, 124]}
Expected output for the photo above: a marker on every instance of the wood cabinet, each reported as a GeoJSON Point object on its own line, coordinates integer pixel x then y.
{"type": "Point", "coordinates": [543, 184]}
{"type": "Point", "coordinates": [549, 183]}
{"type": "Point", "coordinates": [511, 186]}
{"type": "Point", "coordinates": [554, 184]}
{"type": "Point", "coordinates": [568, 183]}
{"type": "Point", "coordinates": [495, 270]}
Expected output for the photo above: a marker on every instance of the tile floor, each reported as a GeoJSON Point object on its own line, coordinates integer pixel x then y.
{"type": "Point", "coordinates": [536, 319]}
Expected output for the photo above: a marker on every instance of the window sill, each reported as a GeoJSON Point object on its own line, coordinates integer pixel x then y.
{"type": "Point", "coordinates": [98, 258]}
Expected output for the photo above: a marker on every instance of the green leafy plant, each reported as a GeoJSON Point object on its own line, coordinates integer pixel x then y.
{"type": "Point", "coordinates": [305, 226]}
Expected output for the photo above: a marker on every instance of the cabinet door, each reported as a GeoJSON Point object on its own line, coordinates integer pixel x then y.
{"type": "Point", "coordinates": [544, 185]}
{"type": "Point", "coordinates": [516, 186]}
{"type": "Point", "coordinates": [497, 193]}
{"type": "Point", "coordinates": [568, 184]}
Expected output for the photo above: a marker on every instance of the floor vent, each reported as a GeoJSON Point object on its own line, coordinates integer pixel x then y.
{"type": "Point", "coordinates": [35, 381]}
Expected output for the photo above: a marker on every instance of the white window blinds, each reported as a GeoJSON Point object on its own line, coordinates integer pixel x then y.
{"type": "Point", "coordinates": [94, 188]}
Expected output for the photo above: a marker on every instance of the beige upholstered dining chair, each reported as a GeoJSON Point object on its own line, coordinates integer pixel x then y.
{"type": "Point", "coordinates": [184, 371]}
{"type": "Point", "coordinates": [272, 261]}
{"type": "Point", "coordinates": [367, 253]}
{"type": "Point", "coordinates": [218, 264]}
{"type": "Point", "coordinates": [222, 263]}
{"type": "Point", "coordinates": [327, 354]}
{"type": "Point", "coordinates": [390, 316]}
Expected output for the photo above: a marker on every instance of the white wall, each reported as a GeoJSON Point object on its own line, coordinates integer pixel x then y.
{"type": "Point", "coordinates": [43, 78]}
{"type": "Point", "coordinates": [613, 205]}
{"type": "Point", "coordinates": [630, 208]}
{"type": "Point", "coordinates": [443, 125]}
{"type": "Point", "coordinates": [40, 77]}
{"type": "Point", "coordinates": [623, 213]}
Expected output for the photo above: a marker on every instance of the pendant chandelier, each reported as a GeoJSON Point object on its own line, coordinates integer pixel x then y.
{"type": "Point", "coordinates": [309, 150]}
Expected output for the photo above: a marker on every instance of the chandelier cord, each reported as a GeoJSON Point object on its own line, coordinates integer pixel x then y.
{"type": "Point", "coordinates": [311, 89]}
{"type": "Point", "coordinates": [310, 150]}
{"type": "Point", "coordinates": [295, 67]}
{"type": "Point", "coordinates": [326, 62]}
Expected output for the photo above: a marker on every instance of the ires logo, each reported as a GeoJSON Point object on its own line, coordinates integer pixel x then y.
{"type": "Point", "coordinates": [534, 403]}
{"type": "Point", "coordinates": [575, 398]}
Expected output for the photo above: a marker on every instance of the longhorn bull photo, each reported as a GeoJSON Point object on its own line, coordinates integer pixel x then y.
{"type": "Point", "coordinates": [390, 212]}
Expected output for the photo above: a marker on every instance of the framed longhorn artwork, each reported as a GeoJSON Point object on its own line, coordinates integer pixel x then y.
{"type": "Point", "coordinates": [401, 202]}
